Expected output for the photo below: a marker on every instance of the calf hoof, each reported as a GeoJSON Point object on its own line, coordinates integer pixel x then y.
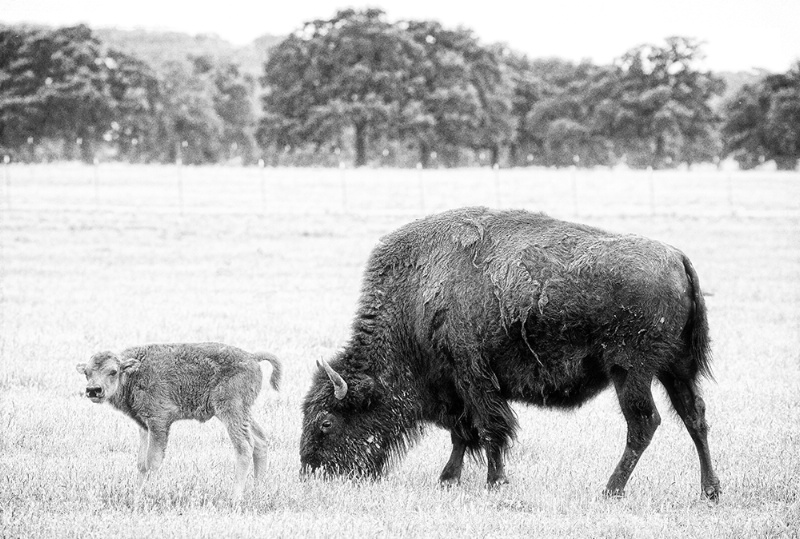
{"type": "Point", "coordinates": [712, 492]}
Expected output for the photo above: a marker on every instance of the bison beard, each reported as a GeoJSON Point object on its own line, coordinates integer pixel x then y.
{"type": "Point", "coordinates": [467, 310]}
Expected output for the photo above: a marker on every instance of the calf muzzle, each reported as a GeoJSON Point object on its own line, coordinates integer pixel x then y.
{"type": "Point", "coordinates": [94, 393]}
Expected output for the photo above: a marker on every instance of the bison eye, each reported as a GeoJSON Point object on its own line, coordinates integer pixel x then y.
{"type": "Point", "coordinates": [326, 426]}
{"type": "Point", "coordinates": [112, 372]}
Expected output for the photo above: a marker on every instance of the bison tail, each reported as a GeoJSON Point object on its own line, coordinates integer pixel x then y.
{"type": "Point", "coordinates": [275, 378]}
{"type": "Point", "coordinates": [696, 330]}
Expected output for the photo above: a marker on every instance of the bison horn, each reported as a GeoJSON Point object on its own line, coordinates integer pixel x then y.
{"type": "Point", "coordinates": [339, 385]}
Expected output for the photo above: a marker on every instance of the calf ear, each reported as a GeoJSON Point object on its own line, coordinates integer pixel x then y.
{"type": "Point", "coordinates": [81, 368]}
{"type": "Point", "coordinates": [129, 365]}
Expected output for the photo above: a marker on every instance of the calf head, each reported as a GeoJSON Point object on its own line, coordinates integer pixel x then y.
{"type": "Point", "coordinates": [105, 374]}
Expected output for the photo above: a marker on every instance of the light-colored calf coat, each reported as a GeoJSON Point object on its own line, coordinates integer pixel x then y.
{"type": "Point", "coordinates": [158, 384]}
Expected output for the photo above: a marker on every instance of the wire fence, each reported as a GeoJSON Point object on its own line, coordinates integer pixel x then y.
{"type": "Point", "coordinates": [562, 192]}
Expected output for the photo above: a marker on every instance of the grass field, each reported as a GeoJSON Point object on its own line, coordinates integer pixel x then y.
{"type": "Point", "coordinates": [108, 257]}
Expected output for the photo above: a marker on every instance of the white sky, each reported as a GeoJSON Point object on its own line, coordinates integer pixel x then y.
{"type": "Point", "coordinates": [739, 34]}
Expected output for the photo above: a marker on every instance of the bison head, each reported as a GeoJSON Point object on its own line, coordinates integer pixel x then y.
{"type": "Point", "coordinates": [105, 373]}
{"type": "Point", "coordinates": [351, 427]}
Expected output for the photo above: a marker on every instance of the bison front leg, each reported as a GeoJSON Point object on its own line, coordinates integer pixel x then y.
{"type": "Point", "coordinates": [497, 472]}
{"type": "Point", "coordinates": [636, 401]}
{"type": "Point", "coordinates": [491, 415]}
{"type": "Point", "coordinates": [451, 475]}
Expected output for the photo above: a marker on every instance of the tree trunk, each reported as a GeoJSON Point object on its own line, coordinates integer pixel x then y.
{"type": "Point", "coordinates": [658, 156]}
{"type": "Point", "coordinates": [495, 151]}
{"type": "Point", "coordinates": [87, 150]}
{"type": "Point", "coordinates": [513, 154]}
{"type": "Point", "coordinates": [361, 145]}
{"type": "Point", "coordinates": [424, 154]}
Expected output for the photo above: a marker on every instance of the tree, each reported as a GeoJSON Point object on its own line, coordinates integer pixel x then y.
{"type": "Point", "coordinates": [555, 102]}
{"type": "Point", "coordinates": [190, 128]}
{"type": "Point", "coordinates": [440, 109]}
{"type": "Point", "coordinates": [495, 93]}
{"type": "Point", "coordinates": [762, 121]}
{"type": "Point", "coordinates": [136, 92]}
{"type": "Point", "coordinates": [658, 105]}
{"type": "Point", "coordinates": [235, 104]}
{"type": "Point", "coordinates": [345, 73]}
{"type": "Point", "coordinates": [64, 84]}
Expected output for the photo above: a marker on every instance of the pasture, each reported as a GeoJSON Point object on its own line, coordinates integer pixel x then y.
{"type": "Point", "coordinates": [108, 257]}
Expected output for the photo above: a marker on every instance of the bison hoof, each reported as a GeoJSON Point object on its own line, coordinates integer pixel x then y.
{"type": "Point", "coordinates": [614, 493]}
{"type": "Point", "coordinates": [496, 482]}
{"type": "Point", "coordinates": [712, 492]}
{"type": "Point", "coordinates": [449, 482]}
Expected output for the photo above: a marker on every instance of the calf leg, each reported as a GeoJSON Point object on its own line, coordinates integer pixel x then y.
{"type": "Point", "coordinates": [259, 449]}
{"type": "Point", "coordinates": [636, 401]}
{"type": "Point", "coordinates": [690, 407]}
{"type": "Point", "coordinates": [141, 461]}
{"type": "Point", "coordinates": [158, 435]}
{"type": "Point", "coordinates": [241, 436]}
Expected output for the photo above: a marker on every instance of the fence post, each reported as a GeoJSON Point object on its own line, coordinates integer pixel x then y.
{"type": "Point", "coordinates": [7, 175]}
{"type": "Point", "coordinates": [263, 189]}
{"type": "Point", "coordinates": [95, 173]}
{"type": "Point", "coordinates": [179, 166]}
{"type": "Point", "coordinates": [343, 178]}
{"type": "Point", "coordinates": [496, 169]}
{"type": "Point", "coordinates": [421, 188]}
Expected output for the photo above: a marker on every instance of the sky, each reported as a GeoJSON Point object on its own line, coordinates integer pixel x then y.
{"type": "Point", "coordinates": [739, 35]}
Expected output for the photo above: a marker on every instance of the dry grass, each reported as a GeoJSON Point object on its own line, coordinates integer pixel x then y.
{"type": "Point", "coordinates": [107, 258]}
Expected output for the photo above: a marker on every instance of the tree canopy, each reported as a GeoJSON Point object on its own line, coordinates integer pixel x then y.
{"type": "Point", "coordinates": [359, 87]}
{"type": "Point", "coordinates": [762, 121]}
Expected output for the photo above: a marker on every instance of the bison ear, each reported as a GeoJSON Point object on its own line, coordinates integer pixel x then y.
{"type": "Point", "coordinates": [81, 368]}
{"type": "Point", "coordinates": [129, 366]}
{"type": "Point", "coordinates": [364, 391]}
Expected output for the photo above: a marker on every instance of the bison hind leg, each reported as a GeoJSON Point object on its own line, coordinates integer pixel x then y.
{"type": "Point", "coordinates": [636, 401]}
{"type": "Point", "coordinates": [690, 407]}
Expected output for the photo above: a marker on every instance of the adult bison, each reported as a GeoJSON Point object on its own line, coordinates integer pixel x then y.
{"type": "Point", "coordinates": [467, 310]}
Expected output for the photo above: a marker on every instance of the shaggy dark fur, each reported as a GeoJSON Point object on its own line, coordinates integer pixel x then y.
{"type": "Point", "coordinates": [467, 310]}
{"type": "Point", "coordinates": [158, 384]}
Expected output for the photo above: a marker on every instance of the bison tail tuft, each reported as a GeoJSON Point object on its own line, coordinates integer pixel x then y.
{"type": "Point", "coordinates": [275, 378]}
{"type": "Point", "coordinates": [696, 331]}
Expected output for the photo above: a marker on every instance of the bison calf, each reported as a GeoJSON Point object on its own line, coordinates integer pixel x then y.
{"type": "Point", "coordinates": [158, 384]}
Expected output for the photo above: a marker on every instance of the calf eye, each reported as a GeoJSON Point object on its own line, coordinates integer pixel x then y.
{"type": "Point", "coordinates": [326, 426]}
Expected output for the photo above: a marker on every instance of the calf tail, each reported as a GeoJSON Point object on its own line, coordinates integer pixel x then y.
{"type": "Point", "coordinates": [275, 378]}
{"type": "Point", "coordinates": [696, 330]}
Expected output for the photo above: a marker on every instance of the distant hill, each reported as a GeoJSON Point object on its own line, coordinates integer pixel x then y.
{"type": "Point", "coordinates": [160, 47]}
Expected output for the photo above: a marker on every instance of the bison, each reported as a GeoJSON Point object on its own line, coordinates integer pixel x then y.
{"type": "Point", "coordinates": [462, 312]}
{"type": "Point", "coordinates": [158, 384]}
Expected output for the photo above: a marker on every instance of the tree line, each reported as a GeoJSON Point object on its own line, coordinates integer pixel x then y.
{"type": "Point", "coordinates": [358, 88]}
